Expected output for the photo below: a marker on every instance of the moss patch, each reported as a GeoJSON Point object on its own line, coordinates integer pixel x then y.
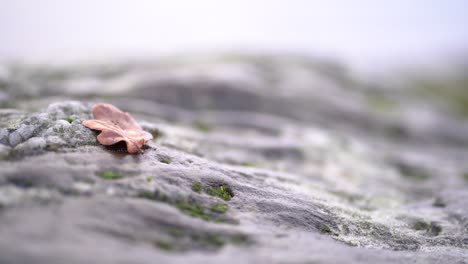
{"type": "Point", "coordinates": [218, 240]}
{"type": "Point", "coordinates": [215, 240]}
{"type": "Point", "coordinates": [420, 225]}
{"type": "Point", "coordinates": [149, 179]}
{"type": "Point", "coordinates": [211, 240]}
{"type": "Point", "coordinates": [52, 148]}
{"type": "Point", "coordinates": [189, 207]}
{"type": "Point", "coordinates": [249, 164]}
{"type": "Point", "coordinates": [164, 245]}
{"type": "Point", "coordinates": [208, 240]}
{"type": "Point", "coordinates": [450, 90]}
{"type": "Point", "coordinates": [240, 239]}
{"type": "Point", "coordinates": [324, 229]}
{"type": "Point", "coordinates": [177, 233]}
{"type": "Point", "coordinates": [196, 187]}
{"type": "Point", "coordinates": [165, 159]}
{"type": "Point", "coordinates": [412, 172]}
{"type": "Point", "coordinates": [110, 175]}
{"type": "Point", "coordinates": [380, 103]}
{"type": "Point", "coordinates": [223, 192]}
{"type": "Point", "coordinates": [203, 127]}
{"type": "Point", "coordinates": [219, 208]}
{"type": "Point", "coordinates": [155, 196]}
{"type": "Point", "coordinates": [69, 120]}
{"type": "Point", "coordinates": [432, 228]}
{"type": "Point", "coordinates": [156, 133]}
{"type": "Point", "coordinates": [193, 209]}
{"type": "Point", "coordinates": [465, 176]}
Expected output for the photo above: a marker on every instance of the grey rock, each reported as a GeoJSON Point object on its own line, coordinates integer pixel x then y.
{"type": "Point", "coordinates": [23, 133]}
{"type": "Point", "coordinates": [251, 163]}
{"type": "Point", "coordinates": [31, 144]}
{"type": "Point", "coordinates": [4, 136]}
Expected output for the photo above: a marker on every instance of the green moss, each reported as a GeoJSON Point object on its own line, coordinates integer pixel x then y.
{"type": "Point", "coordinates": [193, 209]}
{"type": "Point", "coordinates": [222, 192]}
{"type": "Point", "coordinates": [432, 228]}
{"type": "Point", "coordinates": [147, 195]}
{"type": "Point", "coordinates": [164, 245]}
{"type": "Point", "coordinates": [69, 120]}
{"type": "Point", "coordinates": [110, 175]}
{"type": "Point", "coordinates": [450, 90]}
{"type": "Point", "coordinates": [177, 233]}
{"type": "Point", "coordinates": [196, 187]}
{"type": "Point", "coordinates": [156, 133]}
{"type": "Point", "coordinates": [413, 173]}
{"type": "Point", "coordinates": [239, 239]}
{"type": "Point", "coordinates": [465, 176]}
{"type": "Point", "coordinates": [380, 103]}
{"type": "Point", "coordinates": [165, 159]}
{"type": "Point", "coordinates": [203, 127]}
{"type": "Point", "coordinates": [324, 229]}
{"type": "Point", "coordinates": [212, 240]}
{"type": "Point", "coordinates": [190, 207]}
{"type": "Point", "coordinates": [420, 225]}
{"type": "Point", "coordinates": [149, 179]}
{"type": "Point", "coordinates": [218, 240]}
{"type": "Point", "coordinates": [249, 164]}
{"type": "Point", "coordinates": [156, 196]}
{"type": "Point", "coordinates": [215, 240]}
{"type": "Point", "coordinates": [52, 148]}
{"type": "Point", "coordinates": [219, 208]}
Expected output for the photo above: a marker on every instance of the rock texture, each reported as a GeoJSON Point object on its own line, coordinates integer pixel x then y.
{"type": "Point", "coordinates": [256, 159]}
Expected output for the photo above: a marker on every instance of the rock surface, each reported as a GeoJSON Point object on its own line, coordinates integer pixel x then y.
{"type": "Point", "coordinates": [255, 160]}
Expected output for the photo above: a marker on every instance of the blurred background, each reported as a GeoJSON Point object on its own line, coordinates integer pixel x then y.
{"type": "Point", "coordinates": [367, 34]}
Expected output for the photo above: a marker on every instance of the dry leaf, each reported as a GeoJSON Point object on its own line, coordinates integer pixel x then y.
{"type": "Point", "coordinates": [117, 126]}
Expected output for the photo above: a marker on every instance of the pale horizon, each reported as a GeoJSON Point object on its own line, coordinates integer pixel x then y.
{"type": "Point", "coordinates": [361, 33]}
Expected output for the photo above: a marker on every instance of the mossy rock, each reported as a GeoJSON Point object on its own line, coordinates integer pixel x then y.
{"type": "Point", "coordinates": [110, 175]}
{"type": "Point", "coordinates": [223, 191]}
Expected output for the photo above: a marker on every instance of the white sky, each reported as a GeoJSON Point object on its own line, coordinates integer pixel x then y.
{"type": "Point", "coordinates": [362, 32]}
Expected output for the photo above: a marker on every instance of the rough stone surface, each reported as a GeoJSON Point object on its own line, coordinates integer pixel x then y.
{"type": "Point", "coordinates": [255, 160]}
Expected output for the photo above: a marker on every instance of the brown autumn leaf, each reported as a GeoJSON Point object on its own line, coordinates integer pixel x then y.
{"type": "Point", "coordinates": [117, 126]}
